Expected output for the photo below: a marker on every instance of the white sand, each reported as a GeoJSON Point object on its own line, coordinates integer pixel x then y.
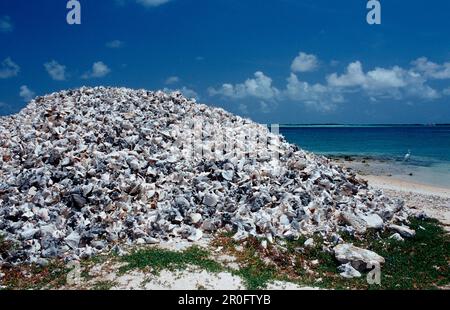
{"type": "Point", "coordinates": [397, 184]}
{"type": "Point", "coordinates": [192, 278]}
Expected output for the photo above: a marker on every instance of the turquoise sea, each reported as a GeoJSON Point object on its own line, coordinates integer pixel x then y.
{"type": "Point", "coordinates": [428, 145]}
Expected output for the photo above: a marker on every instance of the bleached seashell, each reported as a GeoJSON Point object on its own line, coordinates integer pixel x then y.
{"type": "Point", "coordinates": [65, 162]}
{"type": "Point", "coordinates": [228, 175]}
{"type": "Point", "coordinates": [87, 189]}
{"type": "Point", "coordinates": [195, 218]}
{"type": "Point", "coordinates": [73, 240]}
{"type": "Point", "coordinates": [196, 235]}
{"type": "Point", "coordinates": [210, 200]}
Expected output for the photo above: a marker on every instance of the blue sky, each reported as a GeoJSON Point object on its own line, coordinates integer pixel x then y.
{"type": "Point", "coordinates": [275, 61]}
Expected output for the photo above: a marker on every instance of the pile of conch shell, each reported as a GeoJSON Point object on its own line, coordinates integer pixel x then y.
{"type": "Point", "coordinates": [86, 170]}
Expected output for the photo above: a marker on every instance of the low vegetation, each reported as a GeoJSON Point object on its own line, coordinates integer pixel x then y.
{"type": "Point", "coordinates": [35, 278]}
{"type": "Point", "coordinates": [103, 286]}
{"type": "Point", "coordinates": [158, 259]}
{"type": "Point", "coordinates": [418, 263]}
{"type": "Point", "coordinates": [5, 246]}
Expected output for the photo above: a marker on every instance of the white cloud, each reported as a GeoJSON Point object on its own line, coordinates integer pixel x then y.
{"type": "Point", "coordinates": [189, 93]}
{"type": "Point", "coordinates": [26, 93]}
{"type": "Point", "coordinates": [381, 78]}
{"type": "Point", "coordinates": [56, 70]}
{"type": "Point", "coordinates": [115, 44]}
{"type": "Point", "coordinates": [432, 70]}
{"type": "Point", "coordinates": [318, 96]}
{"type": "Point", "coordinates": [8, 68]}
{"type": "Point", "coordinates": [416, 87]}
{"type": "Point", "coordinates": [353, 77]}
{"type": "Point", "coordinates": [395, 82]}
{"type": "Point", "coordinates": [259, 87]}
{"type": "Point", "coordinates": [6, 24]}
{"type": "Point", "coordinates": [99, 69]}
{"type": "Point", "coordinates": [152, 3]}
{"type": "Point", "coordinates": [172, 80]}
{"type": "Point", "coordinates": [185, 91]}
{"type": "Point", "coordinates": [304, 63]}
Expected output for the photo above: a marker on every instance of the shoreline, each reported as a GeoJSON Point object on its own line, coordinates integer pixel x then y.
{"type": "Point", "coordinates": [434, 178]}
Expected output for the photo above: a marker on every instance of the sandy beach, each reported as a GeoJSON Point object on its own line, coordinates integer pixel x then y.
{"type": "Point", "coordinates": [406, 184]}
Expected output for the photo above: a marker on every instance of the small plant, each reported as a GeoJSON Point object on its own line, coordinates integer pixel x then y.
{"type": "Point", "coordinates": [103, 286]}
{"type": "Point", "coordinates": [5, 246]}
{"type": "Point", "coordinates": [255, 272]}
{"type": "Point", "coordinates": [33, 277]}
{"type": "Point", "coordinates": [160, 259]}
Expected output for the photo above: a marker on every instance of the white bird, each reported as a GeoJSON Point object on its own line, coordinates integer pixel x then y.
{"type": "Point", "coordinates": [408, 156]}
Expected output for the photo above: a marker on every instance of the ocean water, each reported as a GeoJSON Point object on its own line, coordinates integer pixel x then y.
{"type": "Point", "coordinates": [429, 146]}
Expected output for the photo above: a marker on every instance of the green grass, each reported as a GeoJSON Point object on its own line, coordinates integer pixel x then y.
{"type": "Point", "coordinates": [255, 273]}
{"type": "Point", "coordinates": [103, 286]}
{"type": "Point", "coordinates": [160, 259]}
{"type": "Point", "coordinates": [87, 264]}
{"type": "Point", "coordinates": [421, 262]}
{"type": "Point", "coordinates": [53, 275]}
{"type": "Point", "coordinates": [418, 263]}
{"type": "Point", "coordinates": [256, 277]}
